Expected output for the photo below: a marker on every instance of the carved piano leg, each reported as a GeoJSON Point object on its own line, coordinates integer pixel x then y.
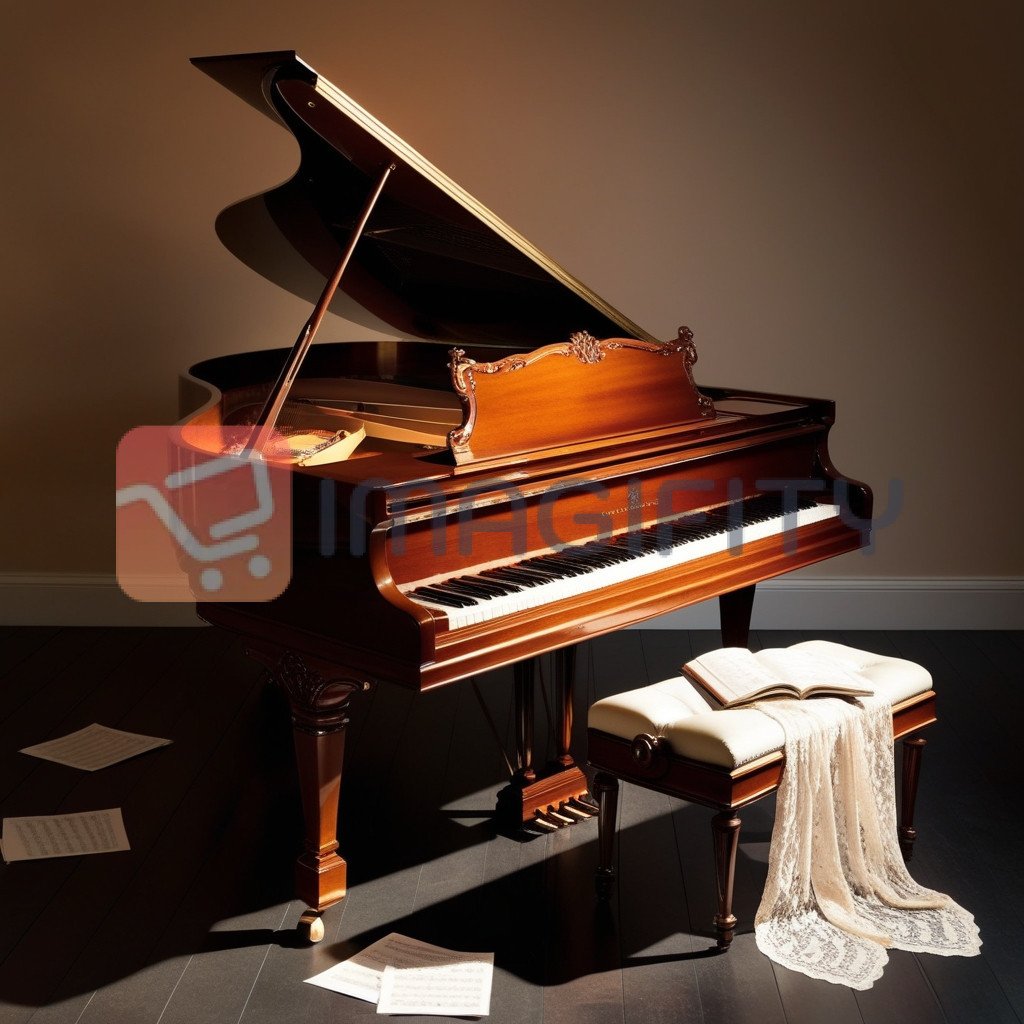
{"type": "Point", "coordinates": [734, 611]}
{"type": "Point", "coordinates": [319, 702]}
{"type": "Point", "coordinates": [725, 829]}
{"type": "Point", "coordinates": [912, 750]}
{"type": "Point", "coordinates": [543, 800]}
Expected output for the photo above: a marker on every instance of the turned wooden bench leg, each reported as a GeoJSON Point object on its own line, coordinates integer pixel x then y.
{"type": "Point", "coordinates": [912, 749]}
{"type": "Point", "coordinates": [606, 789]}
{"type": "Point", "coordinates": [725, 830]}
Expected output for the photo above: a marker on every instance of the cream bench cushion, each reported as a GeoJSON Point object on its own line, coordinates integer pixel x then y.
{"type": "Point", "coordinates": [676, 710]}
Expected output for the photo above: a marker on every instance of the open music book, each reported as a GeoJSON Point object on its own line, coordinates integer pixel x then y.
{"type": "Point", "coordinates": [734, 675]}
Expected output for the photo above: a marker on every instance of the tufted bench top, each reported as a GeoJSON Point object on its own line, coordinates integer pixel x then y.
{"type": "Point", "coordinates": [676, 710]}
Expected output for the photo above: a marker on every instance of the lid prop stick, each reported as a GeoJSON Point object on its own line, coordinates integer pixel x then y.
{"type": "Point", "coordinates": [267, 419]}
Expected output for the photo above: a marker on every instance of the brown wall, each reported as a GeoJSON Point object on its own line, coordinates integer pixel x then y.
{"type": "Point", "coordinates": [828, 194]}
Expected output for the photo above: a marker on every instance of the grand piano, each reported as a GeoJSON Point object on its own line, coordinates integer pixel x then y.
{"type": "Point", "coordinates": [536, 469]}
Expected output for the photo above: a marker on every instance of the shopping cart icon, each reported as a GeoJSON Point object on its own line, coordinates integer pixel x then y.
{"type": "Point", "coordinates": [208, 509]}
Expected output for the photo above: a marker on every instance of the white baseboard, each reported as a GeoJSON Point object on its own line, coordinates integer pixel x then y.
{"type": "Point", "coordinates": [79, 599]}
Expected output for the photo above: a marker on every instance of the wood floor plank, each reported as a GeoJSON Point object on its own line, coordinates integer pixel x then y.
{"type": "Point", "coordinates": [739, 986]}
{"type": "Point", "coordinates": [215, 836]}
{"type": "Point", "coordinates": [20, 643]}
{"type": "Point", "coordinates": [49, 788]}
{"type": "Point", "coordinates": [114, 679]}
{"type": "Point", "coordinates": [948, 765]}
{"type": "Point", "coordinates": [32, 674]}
{"type": "Point", "coordinates": [583, 976]}
{"type": "Point", "coordinates": [665, 652]}
{"type": "Point", "coordinates": [970, 988]}
{"type": "Point", "coordinates": [659, 953]}
{"type": "Point", "coordinates": [967, 846]}
{"type": "Point", "coordinates": [217, 831]}
{"type": "Point", "coordinates": [149, 790]}
{"type": "Point", "coordinates": [971, 732]}
{"type": "Point", "coordinates": [1001, 650]}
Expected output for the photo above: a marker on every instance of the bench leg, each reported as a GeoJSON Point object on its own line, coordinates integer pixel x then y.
{"type": "Point", "coordinates": [912, 749]}
{"type": "Point", "coordinates": [606, 789]}
{"type": "Point", "coordinates": [725, 830]}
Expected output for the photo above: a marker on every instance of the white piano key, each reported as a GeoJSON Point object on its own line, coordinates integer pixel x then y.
{"type": "Point", "coordinates": [643, 564]}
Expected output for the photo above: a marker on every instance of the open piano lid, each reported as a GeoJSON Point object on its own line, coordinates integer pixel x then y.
{"type": "Point", "coordinates": [434, 263]}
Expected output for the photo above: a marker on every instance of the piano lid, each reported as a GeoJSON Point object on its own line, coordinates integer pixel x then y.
{"type": "Point", "coordinates": [433, 263]}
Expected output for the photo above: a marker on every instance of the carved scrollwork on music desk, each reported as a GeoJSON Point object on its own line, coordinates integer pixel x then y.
{"type": "Point", "coordinates": [587, 349]}
{"type": "Point", "coordinates": [684, 343]}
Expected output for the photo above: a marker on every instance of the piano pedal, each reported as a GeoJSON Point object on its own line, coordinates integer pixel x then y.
{"type": "Point", "coordinates": [543, 799]}
{"type": "Point", "coordinates": [543, 822]}
{"type": "Point", "coordinates": [562, 819]}
{"type": "Point", "coordinates": [577, 813]}
{"type": "Point", "coordinates": [586, 803]}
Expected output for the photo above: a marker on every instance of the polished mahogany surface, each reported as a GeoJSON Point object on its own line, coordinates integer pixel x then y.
{"type": "Point", "coordinates": [537, 469]}
{"type": "Point", "coordinates": [401, 516]}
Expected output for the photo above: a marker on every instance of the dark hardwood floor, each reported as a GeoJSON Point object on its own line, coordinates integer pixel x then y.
{"type": "Point", "coordinates": [196, 922]}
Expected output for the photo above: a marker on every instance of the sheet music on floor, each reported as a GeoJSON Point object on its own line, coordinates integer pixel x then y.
{"type": "Point", "coordinates": [63, 835]}
{"type": "Point", "coordinates": [94, 747]}
{"type": "Point", "coordinates": [460, 989]}
{"type": "Point", "coordinates": [398, 972]}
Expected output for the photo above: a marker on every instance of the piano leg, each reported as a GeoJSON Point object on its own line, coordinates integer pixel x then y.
{"type": "Point", "coordinates": [565, 677]}
{"type": "Point", "coordinates": [545, 800]}
{"type": "Point", "coordinates": [319, 697]}
{"type": "Point", "coordinates": [734, 611]}
{"type": "Point", "coordinates": [523, 673]}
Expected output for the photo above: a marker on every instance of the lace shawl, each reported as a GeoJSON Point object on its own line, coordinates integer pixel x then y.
{"type": "Point", "coordinates": [838, 893]}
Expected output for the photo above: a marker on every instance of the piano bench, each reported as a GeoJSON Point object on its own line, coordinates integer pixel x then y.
{"type": "Point", "coordinates": [665, 737]}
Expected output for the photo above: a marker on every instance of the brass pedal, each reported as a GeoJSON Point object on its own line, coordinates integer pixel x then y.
{"type": "Point", "coordinates": [577, 813]}
{"type": "Point", "coordinates": [586, 803]}
{"type": "Point", "coordinates": [559, 817]}
{"type": "Point", "coordinates": [544, 821]}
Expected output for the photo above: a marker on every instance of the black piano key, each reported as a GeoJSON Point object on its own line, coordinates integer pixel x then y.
{"type": "Point", "coordinates": [550, 568]}
{"type": "Point", "coordinates": [490, 586]}
{"type": "Point", "coordinates": [567, 565]}
{"type": "Point", "coordinates": [440, 597]}
{"type": "Point", "coordinates": [461, 586]}
{"type": "Point", "coordinates": [501, 586]}
{"type": "Point", "coordinates": [583, 556]}
{"type": "Point", "coordinates": [513, 577]}
{"type": "Point", "coordinates": [540, 570]}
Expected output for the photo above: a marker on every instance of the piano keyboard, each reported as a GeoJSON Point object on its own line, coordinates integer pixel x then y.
{"type": "Point", "coordinates": [504, 590]}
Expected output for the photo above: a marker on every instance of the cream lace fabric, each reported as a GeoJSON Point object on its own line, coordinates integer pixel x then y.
{"type": "Point", "coordinates": [838, 893]}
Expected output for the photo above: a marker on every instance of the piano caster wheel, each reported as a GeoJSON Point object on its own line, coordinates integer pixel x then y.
{"type": "Point", "coordinates": [311, 927]}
